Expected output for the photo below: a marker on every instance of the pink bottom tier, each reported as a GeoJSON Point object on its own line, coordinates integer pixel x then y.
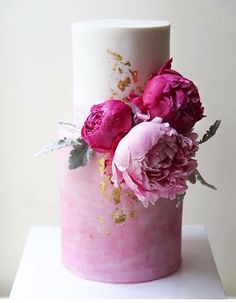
{"type": "Point", "coordinates": [107, 235]}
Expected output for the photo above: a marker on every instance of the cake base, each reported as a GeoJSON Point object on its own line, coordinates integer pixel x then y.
{"type": "Point", "coordinates": [108, 235]}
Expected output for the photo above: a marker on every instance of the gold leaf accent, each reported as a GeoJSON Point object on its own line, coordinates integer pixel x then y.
{"type": "Point", "coordinates": [120, 70]}
{"type": "Point", "coordinates": [102, 166]}
{"type": "Point", "coordinates": [125, 100]}
{"type": "Point", "coordinates": [122, 84]}
{"type": "Point", "coordinates": [103, 187]}
{"type": "Point", "coordinates": [113, 94]}
{"type": "Point", "coordinates": [115, 55]}
{"type": "Point", "coordinates": [127, 63]}
{"type": "Point", "coordinates": [134, 74]}
{"type": "Point", "coordinates": [120, 219]}
{"type": "Point", "coordinates": [132, 214]}
{"type": "Point", "coordinates": [113, 214]}
{"type": "Point", "coordinates": [116, 195]}
{"type": "Point", "coordinates": [100, 219]}
{"type": "Point", "coordinates": [132, 196]}
{"type": "Point", "coordinates": [115, 67]}
{"type": "Point", "coordinates": [107, 179]}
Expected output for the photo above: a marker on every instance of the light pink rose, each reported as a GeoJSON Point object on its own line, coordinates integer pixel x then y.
{"type": "Point", "coordinates": [173, 98]}
{"type": "Point", "coordinates": [107, 123]}
{"type": "Point", "coordinates": [154, 161]}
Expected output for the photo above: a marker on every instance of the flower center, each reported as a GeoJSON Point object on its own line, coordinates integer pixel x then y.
{"type": "Point", "coordinates": [165, 162]}
{"type": "Point", "coordinates": [94, 121]}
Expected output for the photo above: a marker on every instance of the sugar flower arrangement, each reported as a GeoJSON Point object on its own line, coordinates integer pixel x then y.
{"type": "Point", "coordinates": [147, 142]}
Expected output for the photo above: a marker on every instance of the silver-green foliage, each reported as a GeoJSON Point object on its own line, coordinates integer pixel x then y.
{"type": "Point", "coordinates": [210, 132]}
{"type": "Point", "coordinates": [80, 154]}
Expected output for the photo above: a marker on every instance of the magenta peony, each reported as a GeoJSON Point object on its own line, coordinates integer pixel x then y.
{"type": "Point", "coordinates": [154, 161]}
{"type": "Point", "coordinates": [138, 101]}
{"type": "Point", "coordinates": [173, 98]}
{"type": "Point", "coordinates": [107, 123]}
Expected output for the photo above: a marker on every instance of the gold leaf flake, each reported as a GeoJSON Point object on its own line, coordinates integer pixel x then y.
{"type": "Point", "coordinates": [132, 196]}
{"type": "Point", "coordinates": [132, 214]}
{"type": "Point", "coordinates": [120, 219]}
{"type": "Point", "coordinates": [100, 219]}
{"type": "Point", "coordinates": [102, 166]}
{"type": "Point", "coordinates": [113, 214]}
{"type": "Point", "coordinates": [127, 63]}
{"type": "Point", "coordinates": [118, 216]}
{"type": "Point", "coordinates": [107, 179]}
{"type": "Point", "coordinates": [113, 94]}
{"type": "Point", "coordinates": [103, 187]}
{"type": "Point", "coordinates": [115, 67]}
{"type": "Point", "coordinates": [116, 195]}
{"type": "Point", "coordinates": [122, 84]}
{"type": "Point", "coordinates": [125, 100]}
{"type": "Point", "coordinates": [120, 70]}
{"type": "Point", "coordinates": [115, 55]}
{"type": "Point", "coordinates": [134, 74]}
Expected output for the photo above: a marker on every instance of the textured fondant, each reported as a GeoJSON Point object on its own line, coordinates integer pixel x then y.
{"type": "Point", "coordinates": [110, 237]}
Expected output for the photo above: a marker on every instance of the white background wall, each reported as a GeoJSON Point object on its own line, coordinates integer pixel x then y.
{"type": "Point", "coordinates": [36, 92]}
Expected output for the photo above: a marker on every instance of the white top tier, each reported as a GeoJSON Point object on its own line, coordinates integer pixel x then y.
{"type": "Point", "coordinates": [122, 23]}
{"type": "Point", "coordinates": [108, 51]}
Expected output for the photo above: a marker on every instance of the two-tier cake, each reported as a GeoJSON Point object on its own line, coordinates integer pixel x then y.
{"type": "Point", "coordinates": [107, 234]}
{"type": "Point", "coordinates": [125, 162]}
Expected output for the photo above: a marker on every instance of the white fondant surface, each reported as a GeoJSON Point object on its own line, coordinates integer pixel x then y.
{"type": "Point", "coordinates": [144, 43]}
{"type": "Point", "coordinates": [122, 23]}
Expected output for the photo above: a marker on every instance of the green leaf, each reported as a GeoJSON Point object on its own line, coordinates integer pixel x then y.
{"type": "Point", "coordinates": [56, 145]}
{"type": "Point", "coordinates": [180, 200]}
{"type": "Point", "coordinates": [202, 181]}
{"type": "Point", "coordinates": [210, 132]}
{"type": "Point", "coordinates": [80, 155]}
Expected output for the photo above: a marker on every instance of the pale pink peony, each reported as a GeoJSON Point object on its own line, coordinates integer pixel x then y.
{"type": "Point", "coordinates": [154, 161]}
{"type": "Point", "coordinates": [107, 123]}
{"type": "Point", "coordinates": [173, 98]}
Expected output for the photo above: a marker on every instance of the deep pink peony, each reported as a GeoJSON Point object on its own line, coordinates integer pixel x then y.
{"type": "Point", "coordinates": [107, 123]}
{"type": "Point", "coordinates": [173, 98]}
{"type": "Point", "coordinates": [138, 101]}
{"type": "Point", "coordinates": [154, 161]}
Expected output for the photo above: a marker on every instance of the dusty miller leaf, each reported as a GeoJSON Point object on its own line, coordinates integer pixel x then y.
{"type": "Point", "coordinates": [202, 181]}
{"type": "Point", "coordinates": [80, 155]}
{"type": "Point", "coordinates": [192, 178]}
{"type": "Point", "coordinates": [56, 145]}
{"type": "Point", "coordinates": [210, 132]}
{"type": "Point", "coordinates": [180, 200]}
{"type": "Point", "coordinates": [71, 128]}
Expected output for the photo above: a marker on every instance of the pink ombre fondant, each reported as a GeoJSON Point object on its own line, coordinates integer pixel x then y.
{"type": "Point", "coordinates": [108, 235]}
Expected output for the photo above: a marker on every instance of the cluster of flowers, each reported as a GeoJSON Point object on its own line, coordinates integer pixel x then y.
{"type": "Point", "coordinates": [148, 142]}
